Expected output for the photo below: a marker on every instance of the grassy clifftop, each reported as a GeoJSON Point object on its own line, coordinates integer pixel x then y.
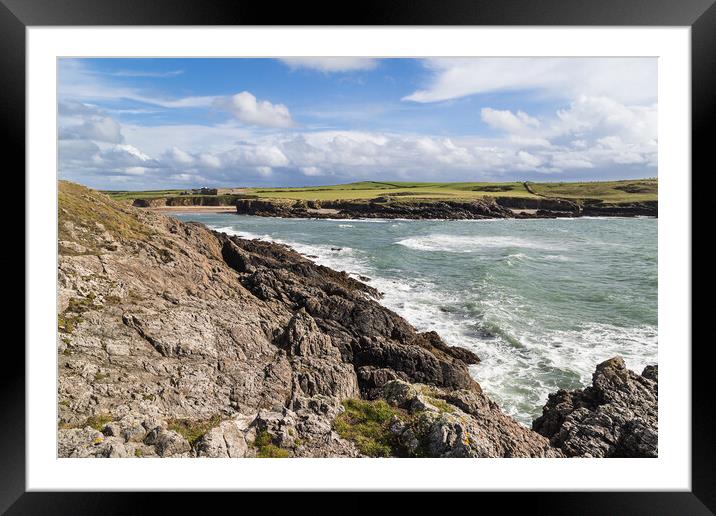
{"type": "Point", "coordinates": [89, 221]}
{"type": "Point", "coordinates": [626, 191]}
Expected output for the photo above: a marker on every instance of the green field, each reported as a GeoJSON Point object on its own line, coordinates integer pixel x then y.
{"type": "Point", "coordinates": [608, 191]}
{"type": "Point", "coordinates": [130, 195]}
{"type": "Point", "coordinates": [395, 190]}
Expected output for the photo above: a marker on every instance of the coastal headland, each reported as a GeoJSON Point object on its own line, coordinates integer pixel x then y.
{"type": "Point", "coordinates": [371, 199]}
{"type": "Point", "coordinates": [178, 341]}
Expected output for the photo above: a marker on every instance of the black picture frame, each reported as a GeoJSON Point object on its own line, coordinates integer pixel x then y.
{"type": "Point", "coordinates": [700, 15]}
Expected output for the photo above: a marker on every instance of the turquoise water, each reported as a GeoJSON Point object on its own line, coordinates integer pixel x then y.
{"type": "Point", "coordinates": [540, 301]}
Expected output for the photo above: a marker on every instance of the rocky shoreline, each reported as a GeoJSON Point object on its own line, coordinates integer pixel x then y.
{"type": "Point", "coordinates": [178, 341]}
{"type": "Point", "coordinates": [488, 208]}
{"type": "Point", "coordinates": [391, 207]}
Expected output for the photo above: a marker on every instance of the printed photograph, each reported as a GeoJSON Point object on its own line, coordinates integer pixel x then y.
{"type": "Point", "coordinates": [355, 257]}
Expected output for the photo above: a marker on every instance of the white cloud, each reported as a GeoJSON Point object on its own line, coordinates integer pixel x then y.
{"type": "Point", "coordinates": [311, 171]}
{"type": "Point", "coordinates": [136, 171]}
{"type": "Point", "coordinates": [194, 138]}
{"type": "Point", "coordinates": [101, 129]}
{"type": "Point", "coordinates": [570, 161]}
{"type": "Point", "coordinates": [78, 82]}
{"type": "Point", "coordinates": [144, 73]}
{"type": "Point", "coordinates": [590, 132]}
{"type": "Point", "coordinates": [178, 156]}
{"type": "Point", "coordinates": [128, 152]}
{"type": "Point", "coordinates": [256, 154]}
{"type": "Point", "coordinates": [527, 161]}
{"type": "Point", "coordinates": [187, 178]}
{"type": "Point", "coordinates": [209, 160]}
{"type": "Point", "coordinates": [631, 80]}
{"type": "Point", "coordinates": [507, 121]}
{"type": "Point", "coordinates": [351, 155]}
{"type": "Point", "coordinates": [603, 116]}
{"type": "Point", "coordinates": [74, 108]}
{"type": "Point", "coordinates": [331, 64]}
{"type": "Point", "coordinates": [246, 108]}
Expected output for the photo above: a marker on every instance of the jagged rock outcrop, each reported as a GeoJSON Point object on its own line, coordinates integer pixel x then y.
{"type": "Point", "coordinates": [380, 207]}
{"type": "Point", "coordinates": [487, 208]}
{"type": "Point", "coordinates": [615, 417]}
{"type": "Point", "coordinates": [177, 341]}
{"type": "Point", "coordinates": [461, 423]}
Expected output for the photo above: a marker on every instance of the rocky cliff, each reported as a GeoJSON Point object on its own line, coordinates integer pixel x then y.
{"type": "Point", "coordinates": [176, 341]}
{"type": "Point", "coordinates": [375, 208]}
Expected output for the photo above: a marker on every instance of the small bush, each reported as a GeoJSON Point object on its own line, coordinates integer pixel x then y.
{"type": "Point", "coordinates": [72, 316]}
{"type": "Point", "coordinates": [367, 423]}
{"type": "Point", "coordinates": [98, 421]}
{"type": "Point", "coordinates": [80, 305]}
{"type": "Point", "coordinates": [266, 449]}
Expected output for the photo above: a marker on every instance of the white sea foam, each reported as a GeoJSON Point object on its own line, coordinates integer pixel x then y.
{"type": "Point", "coordinates": [469, 244]}
{"type": "Point", "coordinates": [243, 234]}
{"type": "Point", "coordinates": [557, 258]}
{"type": "Point", "coordinates": [520, 379]}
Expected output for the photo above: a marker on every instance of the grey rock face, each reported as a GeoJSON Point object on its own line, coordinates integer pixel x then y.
{"type": "Point", "coordinates": [615, 417]}
{"type": "Point", "coordinates": [381, 207]}
{"type": "Point", "coordinates": [226, 440]}
{"type": "Point", "coordinates": [170, 443]}
{"type": "Point", "coordinates": [461, 423]}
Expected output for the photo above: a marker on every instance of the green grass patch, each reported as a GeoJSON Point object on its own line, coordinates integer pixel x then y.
{"type": "Point", "coordinates": [395, 191]}
{"type": "Point", "coordinates": [441, 405]}
{"type": "Point", "coordinates": [266, 449]}
{"type": "Point", "coordinates": [72, 316]}
{"type": "Point", "coordinates": [630, 190]}
{"type": "Point", "coordinates": [128, 195]}
{"type": "Point", "coordinates": [193, 430]}
{"type": "Point", "coordinates": [91, 214]}
{"type": "Point", "coordinates": [67, 323]}
{"type": "Point", "coordinates": [98, 421]}
{"type": "Point", "coordinates": [138, 453]}
{"type": "Point", "coordinates": [367, 424]}
{"type": "Point", "coordinates": [80, 305]}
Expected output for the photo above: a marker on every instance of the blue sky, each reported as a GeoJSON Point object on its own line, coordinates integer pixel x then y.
{"type": "Point", "coordinates": [180, 123]}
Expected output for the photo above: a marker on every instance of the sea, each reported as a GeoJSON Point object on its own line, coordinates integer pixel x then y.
{"type": "Point", "coordinates": [540, 301]}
